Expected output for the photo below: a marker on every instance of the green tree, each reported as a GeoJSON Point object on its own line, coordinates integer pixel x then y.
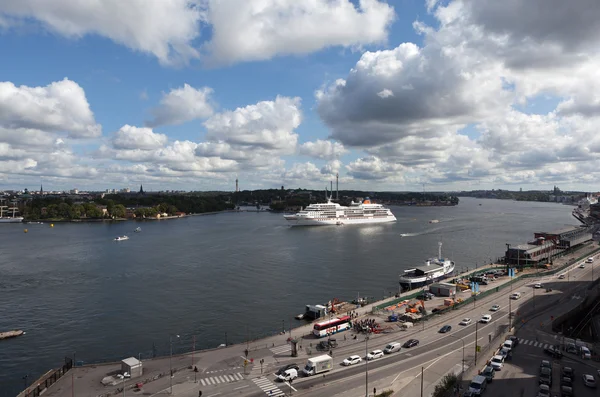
{"type": "Point", "coordinates": [446, 386]}
{"type": "Point", "coordinates": [119, 211]}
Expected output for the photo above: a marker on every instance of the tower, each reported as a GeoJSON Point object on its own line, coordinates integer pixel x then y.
{"type": "Point", "coordinates": [237, 187]}
{"type": "Point", "coordinates": [41, 190]}
{"type": "Point", "coordinates": [337, 186]}
{"type": "Point", "coordinates": [141, 189]}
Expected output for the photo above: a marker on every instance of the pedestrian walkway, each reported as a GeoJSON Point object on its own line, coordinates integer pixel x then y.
{"type": "Point", "coordinates": [217, 379]}
{"type": "Point", "coordinates": [281, 349]}
{"type": "Point", "coordinates": [534, 343]}
{"type": "Point", "coordinates": [268, 387]}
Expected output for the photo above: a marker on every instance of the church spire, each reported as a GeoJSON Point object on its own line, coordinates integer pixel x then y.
{"type": "Point", "coordinates": [141, 189]}
{"type": "Point", "coordinates": [41, 190]}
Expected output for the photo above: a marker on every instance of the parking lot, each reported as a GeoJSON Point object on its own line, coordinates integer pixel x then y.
{"type": "Point", "coordinates": [521, 373]}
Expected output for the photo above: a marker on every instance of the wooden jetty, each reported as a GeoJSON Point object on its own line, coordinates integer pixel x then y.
{"type": "Point", "coordinates": [11, 334]}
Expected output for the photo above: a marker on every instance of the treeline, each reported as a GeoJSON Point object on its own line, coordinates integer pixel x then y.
{"type": "Point", "coordinates": [116, 206]}
{"type": "Point", "coordinates": [531, 195]}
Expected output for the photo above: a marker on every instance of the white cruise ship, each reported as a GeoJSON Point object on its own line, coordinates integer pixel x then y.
{"type": "Point", "coordinates": [434, 269]}
{"type": "Point", "coordinates": [331, 213]}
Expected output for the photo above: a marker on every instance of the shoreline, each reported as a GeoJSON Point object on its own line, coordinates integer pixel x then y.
{"type": "Point", "coordinates": [96, 220]}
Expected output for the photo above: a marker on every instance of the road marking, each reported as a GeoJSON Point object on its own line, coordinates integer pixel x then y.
{"type": "Point", "coordinates": [213, 380]}
{"type": "Point", "coordinates": [241, 387]}
{"type": "Point", "coordinates": [268, 387]}
{"type": "Point", "coordinates": [290, 386]}
{"type": "Point", "coordinates": [213, 395]}
{"type": "Point", "coordinates": [281, 349]}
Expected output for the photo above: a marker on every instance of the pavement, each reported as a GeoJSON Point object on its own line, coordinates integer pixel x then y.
{"type": "Point", "coordinates": [222, 371]}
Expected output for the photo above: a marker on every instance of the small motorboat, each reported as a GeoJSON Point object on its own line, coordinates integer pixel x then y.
{"type": "Point", "coordinates": [434, 221]}
{"type": "Point", "coordinates": [339, 223]}
{"type": "Point", "coordinates": [121, 238]}
{"type": "Point", "coordinates": [299, 317]}
{"type": "Point", "coordinates": [138, 229]}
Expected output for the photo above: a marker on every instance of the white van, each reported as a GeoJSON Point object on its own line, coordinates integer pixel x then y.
{"type": "Point", "coordinates": [508, 344]}
{"type": "Point", "coordinates": [392, 347]}
{"type": "Point", "coordinates": [585, 353]}
{"type": "Point", "coordinates": [478, 385]}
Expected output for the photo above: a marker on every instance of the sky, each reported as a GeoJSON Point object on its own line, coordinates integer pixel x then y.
{"type": "Point", "coordinates": [390, 95]}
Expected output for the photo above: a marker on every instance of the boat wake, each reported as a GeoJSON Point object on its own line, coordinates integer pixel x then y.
{"type": "Point", "coordinates": [409, 234]}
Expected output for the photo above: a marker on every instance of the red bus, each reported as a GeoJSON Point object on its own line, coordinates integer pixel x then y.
{"type": "Point", "coordinates": [329, 327]}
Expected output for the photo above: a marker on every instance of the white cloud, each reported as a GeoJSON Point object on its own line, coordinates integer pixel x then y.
{"type": "Point", "coordinates": [385, 93]}
{"type": "Point", "coordinates": [267, 28]}
{"type": "Point", "coordinates": [130, 137]}
{"type": "Point", "coordinates": [60, 106]}
{"type": "Point", "coordinates": [321, 149]}
{"type": "Point", "coordinates": [268, 125]}
{"type": "Point", "coordinates": [181, 105]}
{"type": "Point", "coordinates": [165, 29]}
{"type": "Point", "coordinates": [373, 168]}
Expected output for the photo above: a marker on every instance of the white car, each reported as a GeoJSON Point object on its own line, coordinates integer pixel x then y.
{"type": "Point", "coordinates": [515, 296]}
{"type": "Point", "coordinates": [589, 381]}
{"type": "Point", "coordinates": [495, 308]}
{"type": "Point", "coordinates": [465, 321]}
{"type": "Point", "coordinates": [352, 360]}
{"type": "Point", "coordinates": [582, 266]}
{"type": "Point", "coordinates": [537, 285]}
{"type": "Point", "coordinates": [486, 318]}
{"type": "Point", "coordinates": [561, 276]}
{"type": "Point", "coordinates": [497, 362]}
{"type": "Point", "coordinates": [589, 260]}
{"type": "Point", "coordinates": [374, 354]}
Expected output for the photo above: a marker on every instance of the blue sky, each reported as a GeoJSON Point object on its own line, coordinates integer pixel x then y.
{"type": "Point", "coordinates": [435, 110]}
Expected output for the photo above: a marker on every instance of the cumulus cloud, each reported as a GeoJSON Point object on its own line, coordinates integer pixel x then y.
{"type": "Point", "coordinates": [446, 91]}
{"type": "Point", "coordinates": [266, 28]}
{"type": "Point", "coordinates": [130, 137]}
{"type": "Point", "coordinates": [373, 168]}
{"type": "Point", "coordinates": [164, 29]}
{"type": "Point", "coordinates": [385, 93]}
{"type": "Point", "coordinates": [267, 124]}
{"type": "Point", "coordinates": [322, 149]}
{"type": "Point", "coordinates": [181, 105]}
{"type": "Point", "coordinates": [60, 106]}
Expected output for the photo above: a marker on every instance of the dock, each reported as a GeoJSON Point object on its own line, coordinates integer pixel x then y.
{"type": "Point", "coordinates": [11, 334]}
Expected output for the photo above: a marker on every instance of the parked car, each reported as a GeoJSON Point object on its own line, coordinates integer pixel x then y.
{"type": "Point", "coordinates": [495, 308]}
{"type": "Point", "coordinates": [585, 353]}
{"type": "Point", "coordinates": [374, 354]}
{"type": "Point", "coordinates": [553, 351]}
{"type": "Point", "coordinates": [289, 366]}
{"type": "Point", "coordinates": [543, 391]}
{"type": "Point", "coordinates": [589, 380]}
{"type": "Point", "coordinates": [445, 328]}
{"type": "Point", "coordinates": [568, 372]}
{"type": "Point", "coordinates": [566, 391]}
{"type": "Point", "coordinates": [489, 373]}
{"type": "Point", "coordinates": [411, 343]}
{"type": "Point", "coordinates": [514, 340]}
{"type": "Point", "coordinates": [486, 318]}
{"type": "Point", "coordinates": [545, 364]}
{"type": "Point", "coordinates": [589, 260]}
{"type": "Point", "coordinates": [465, 321]}
{"type": "Point", "coordinates": [288, 375]}
{"type": "Point", "coordinates": [352, 360]}
{"type": "Point", "coordinates": [566, 381]}
{"type": "Point", "coordinates": [572, 348]}
{"type": "Point", "coordinates": [545, 376]}
{"type": "Point", "coordinates": [497, 362]}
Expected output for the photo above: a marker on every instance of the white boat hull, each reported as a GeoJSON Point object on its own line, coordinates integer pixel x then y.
{"type": "Point", "coordinates": [17, 219]}
{"type": "Point", "coordinates": [294, 220]}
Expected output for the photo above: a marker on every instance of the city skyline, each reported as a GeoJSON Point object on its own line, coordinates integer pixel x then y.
{"type": "Point", "coordinates": [455, 94]}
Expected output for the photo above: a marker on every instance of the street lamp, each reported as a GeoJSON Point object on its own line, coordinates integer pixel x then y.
{"type": "Point", "coordinates": [463, 352]}
{"type": "Point", "coordinates": [367, 366]}
{"type": "Point", "coordinates": [171, 364]}
{"type": "Point", "coordinates": [476, 327]}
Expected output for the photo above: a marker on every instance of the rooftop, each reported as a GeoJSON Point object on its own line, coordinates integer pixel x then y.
{"type": "Point", "coordinates": [561, 230]}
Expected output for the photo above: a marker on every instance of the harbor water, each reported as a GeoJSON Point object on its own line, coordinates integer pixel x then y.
{"type": "Point", "coordinates": [224, 277]}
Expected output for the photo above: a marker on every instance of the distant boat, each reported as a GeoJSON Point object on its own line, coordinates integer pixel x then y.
{"type": "Point", "coordinates": [121, 238]}
{"type": "Point", "coordinates": [434, 221]}
{"type": "Point", "coordinates": [138, 229]}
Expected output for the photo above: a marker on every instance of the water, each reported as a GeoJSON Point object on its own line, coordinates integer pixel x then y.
{"type": "Point", "coordinates": [75, 291]}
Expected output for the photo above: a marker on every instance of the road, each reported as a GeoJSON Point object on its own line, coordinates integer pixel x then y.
{"type": "Point", "coordinates": [222, 371]}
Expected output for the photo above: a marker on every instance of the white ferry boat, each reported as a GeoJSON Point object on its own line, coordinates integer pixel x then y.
{"type": "Point", "coordinates": [434, 269]}
{"type": "Point", "coordinates": [331, 213]}
{"type": "Point", "coordinates": [121, 238]}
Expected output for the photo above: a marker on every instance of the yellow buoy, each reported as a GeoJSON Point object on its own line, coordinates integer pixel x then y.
{"type": "Point", "coordinates": [25, 230]}
{"type": "Point", "coordinates": [52, 225]}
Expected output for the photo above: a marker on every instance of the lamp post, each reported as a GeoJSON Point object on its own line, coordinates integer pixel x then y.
{"type": "Point", "coordinates": [463, 352]}
{"type": "Point", "coordinates": [476, 327]}
{"type": "Point", "coordinates": [171, 364]}
{"type": "Point", "coordinates": [366, 366]}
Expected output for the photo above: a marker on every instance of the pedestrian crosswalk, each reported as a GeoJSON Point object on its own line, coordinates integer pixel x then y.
{"type": "Point", "coordinates": [268, 387]}
{"type": "Point", "coordinates": [217, 379]}
{"type": "Point", "coordinates": [534, 343]}
{"type": "Point", "coordinates": [281, 349]}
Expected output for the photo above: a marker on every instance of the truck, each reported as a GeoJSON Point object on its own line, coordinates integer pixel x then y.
{"type": "Point", "coordinates": [316, 365]}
